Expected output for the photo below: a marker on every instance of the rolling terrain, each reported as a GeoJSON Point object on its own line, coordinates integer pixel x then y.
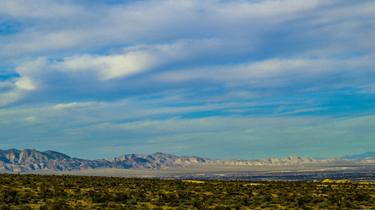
{"type": "Point", "coordinates": [82, 192]}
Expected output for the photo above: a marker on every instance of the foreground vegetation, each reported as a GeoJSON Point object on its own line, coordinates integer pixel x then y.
{"type": "Point", "coordinates": [77, 192]}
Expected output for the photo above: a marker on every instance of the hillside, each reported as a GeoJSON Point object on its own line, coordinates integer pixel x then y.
{"type": "Point", "coordinates": [26, 160]}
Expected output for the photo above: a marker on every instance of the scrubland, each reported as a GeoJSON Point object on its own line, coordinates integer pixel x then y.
{"type": "Point", "coordinates": [85, 192]}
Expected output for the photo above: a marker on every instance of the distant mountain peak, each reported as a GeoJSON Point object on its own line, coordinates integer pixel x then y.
{"type": "Point", "coordinates": [56, 155]}
{"type": "Point", "coordinates": [14, 160]}
{"type": "Point", "coordinates": [361, 156]}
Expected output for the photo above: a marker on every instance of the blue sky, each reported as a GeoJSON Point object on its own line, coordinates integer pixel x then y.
{"type": "Point", "coordinates": [222, 79]}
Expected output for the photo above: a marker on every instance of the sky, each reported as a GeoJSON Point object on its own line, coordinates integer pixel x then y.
{"type": "Point", "coordinates": [234, 79]}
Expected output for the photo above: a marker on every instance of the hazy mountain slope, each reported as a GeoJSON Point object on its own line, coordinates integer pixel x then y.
{"type": "Point", "coordinates": [362, 156]}
{"type": "Point", "coordinates": [14, 160]}
{"type": "Point", "coordinates": [29, 160]}
{"type": "Point", "coordinates": [156, 161]}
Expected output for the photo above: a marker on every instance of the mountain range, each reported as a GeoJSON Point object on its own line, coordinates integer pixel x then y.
{"type": "Point", "coordinates": [26, 160]}
{"type": "Point", "coordinates": [362, 156]}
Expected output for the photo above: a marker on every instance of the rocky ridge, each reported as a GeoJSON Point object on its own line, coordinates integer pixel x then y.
{"type": "Point", "coordinates": [27, 160]}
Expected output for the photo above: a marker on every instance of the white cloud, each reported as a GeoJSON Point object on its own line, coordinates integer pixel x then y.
{"type": "Point", "coordinates": [25, 84]}
{"type": "Point", "coordinates": [9, 97]}
{"type": "Point", "coordinates": [16, 92]}
{"type": "Point", "coordinates": [183, 60]}
{"type": "Point", "coordinates": [230, 40]}
{"type": "Point", "coordinates": [45, 9]}
{"type": "Point", "coordinates": [266, 8]}
{"type": "Point", "coordinates": [17, 88]}
{"type": "Point", "coordinates": [31, 119]}
{"type": "Point", "coordinates": [73, 105]}
{"type": "Point", "coordinates": [133, 60]}
{"type": "Point", "coordinates": [90, 26]}
{"type": "Point", "coordinates": [273, 72]}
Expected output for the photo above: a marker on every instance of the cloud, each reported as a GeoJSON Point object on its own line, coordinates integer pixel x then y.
{"type": "Point", "coordinates": [25, 84]}
{"type": "Point", "coordinates": [43, 74]}
{"type": "Point", "coordinates": [87, 26]}
{"type": "Point", "coordinates": [14, 89]}
{"type": "Point", "coordinates": [109, 75]}
{"type": "Point", "coordinates": [268, 8]}
{"type": "Point", "coordinates": [137, 59]}
{"type": "Point", "coordinates": [69, 129]}
{"type": "Point", "coordinates": [276, 72]}
{"type": "Point", "coordinates": [72, 105]}
{"type": "Point", "coordinates": [9, 97]}
{"type": "Point", "coordinates": [43, 9]}
{"type": "Point", "coordinates": [188, 74]}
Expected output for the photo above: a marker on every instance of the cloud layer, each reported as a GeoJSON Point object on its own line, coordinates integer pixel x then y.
{"type": "Point", "coordinates": [162, 67]}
